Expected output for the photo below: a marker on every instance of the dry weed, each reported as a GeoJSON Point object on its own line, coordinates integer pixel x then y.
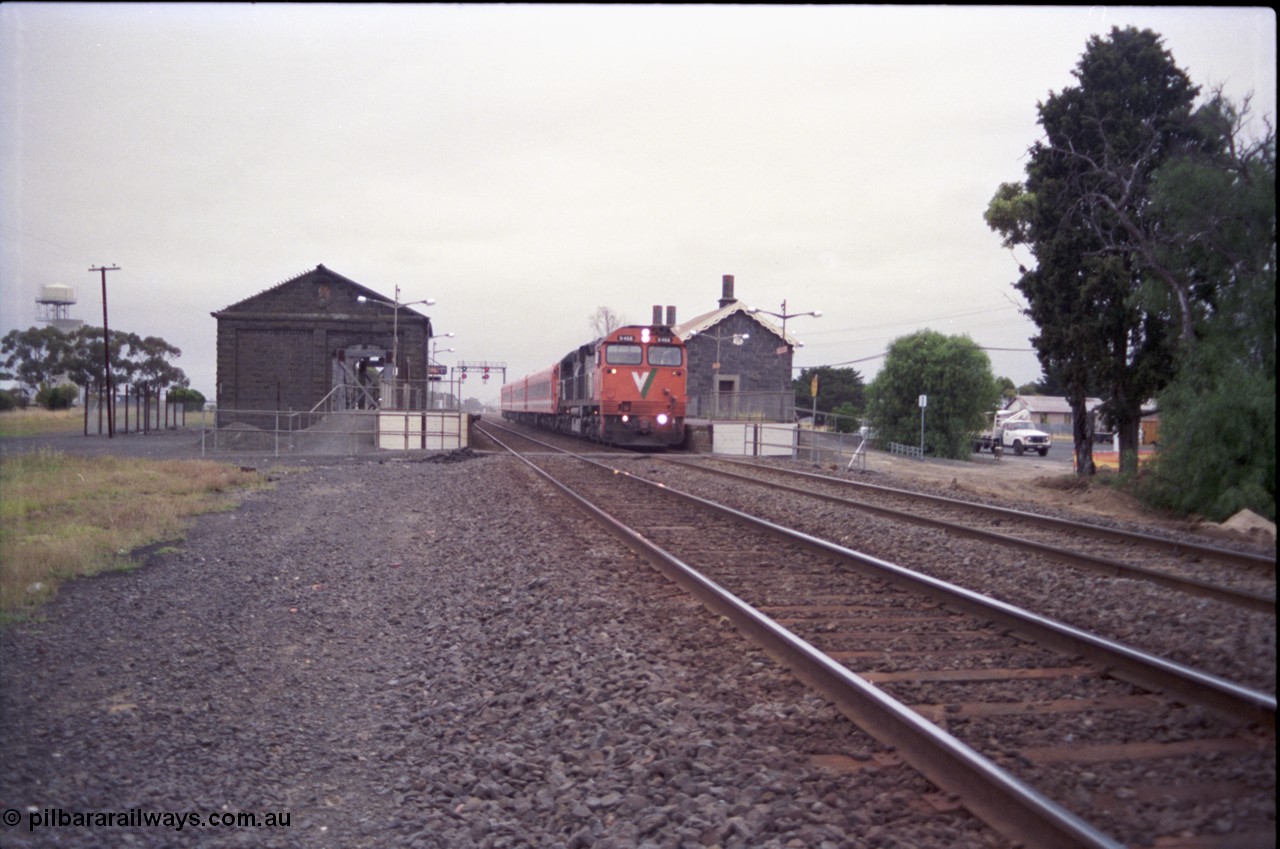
{"type": "Point", "coordinates": [66, 516]}
{"type": "Point", "coordinates": [34, 421]}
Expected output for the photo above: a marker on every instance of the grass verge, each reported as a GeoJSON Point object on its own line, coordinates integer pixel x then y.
{"type": "Point", "coordinates": [36, 421]}
{"type": "Point", "coordinates": [63, 517]}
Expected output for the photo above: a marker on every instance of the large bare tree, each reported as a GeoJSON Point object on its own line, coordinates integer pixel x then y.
{"type": "Point", "coordinates": [605, 320]}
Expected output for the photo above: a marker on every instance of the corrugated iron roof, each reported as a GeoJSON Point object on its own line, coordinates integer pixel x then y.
{"type": "Point", "coordinates": [706, 321]}
{"type": "Point", "coordinates": [1049, 404]}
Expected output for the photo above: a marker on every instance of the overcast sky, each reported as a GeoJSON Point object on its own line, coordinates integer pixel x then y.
{"type": "Point", "coordinates": [524, 165]}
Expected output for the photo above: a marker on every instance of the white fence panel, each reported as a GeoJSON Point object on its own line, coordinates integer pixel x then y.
{"type": "Point", "coordinates": [753, 439]}
{"type": "Point", "coordinates": [434, 431]}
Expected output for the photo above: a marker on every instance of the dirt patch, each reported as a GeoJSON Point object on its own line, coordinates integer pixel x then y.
{"type": "Point", "coordinates": [1051, 485]}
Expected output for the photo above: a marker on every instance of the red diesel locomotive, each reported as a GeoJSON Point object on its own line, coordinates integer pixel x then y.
{"type": "Point", "coordinates": [626, 388]}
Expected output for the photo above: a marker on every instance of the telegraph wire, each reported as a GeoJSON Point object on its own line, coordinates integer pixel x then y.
{"type": "Point", "coordinates": [55, 248]}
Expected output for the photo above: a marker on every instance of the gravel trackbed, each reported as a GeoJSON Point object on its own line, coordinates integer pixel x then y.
{"type": "Point", "coordinates": [414, 654]}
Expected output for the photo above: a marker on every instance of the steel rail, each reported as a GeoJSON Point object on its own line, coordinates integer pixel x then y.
{"type": "Point", "coordinates": [1177, 546]}
{"type": "Point", "coordinates": [990, 793]}
{"type": "Point", "coordinates": [1102, 565]}
{"type": "Point", "coordinates": [1117, 659]}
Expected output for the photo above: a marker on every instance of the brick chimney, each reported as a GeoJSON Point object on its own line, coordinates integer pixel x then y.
{"type": "Point", "coordinates": [726, 291]}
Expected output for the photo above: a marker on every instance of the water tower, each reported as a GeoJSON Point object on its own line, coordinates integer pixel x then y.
{"type": "Point", "coordinates": [53, 306]}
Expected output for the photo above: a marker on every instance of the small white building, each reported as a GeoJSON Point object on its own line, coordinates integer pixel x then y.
{"type": "Point", "coordinates": [1051, 412]}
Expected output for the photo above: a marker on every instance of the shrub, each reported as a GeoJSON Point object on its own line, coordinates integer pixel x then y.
{"type": "Point", "coordinates": [57, 397]}
{"type": "Point", "coordinates": [13, 399]}
{"type": "Point", "coordinates": [190, 399]}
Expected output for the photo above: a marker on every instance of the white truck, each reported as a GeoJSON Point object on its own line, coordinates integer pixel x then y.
{"type": "Point", "coordinates": [1013, 430]}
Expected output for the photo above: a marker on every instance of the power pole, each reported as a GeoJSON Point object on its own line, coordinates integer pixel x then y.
{"type": "Point", "coordinates": [106, 350]}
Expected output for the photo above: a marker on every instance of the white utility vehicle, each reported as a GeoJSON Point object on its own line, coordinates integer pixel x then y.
{"type": "Point", "coordinates": [1013, 430]}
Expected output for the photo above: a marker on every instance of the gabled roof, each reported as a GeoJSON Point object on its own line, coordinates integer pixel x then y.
{"type": "Point", "coordinates": [313, 274]}
{"type": "Point", "coordinates": [706, 321]}
{"type": "Point", "coordinates": [1050, 404]}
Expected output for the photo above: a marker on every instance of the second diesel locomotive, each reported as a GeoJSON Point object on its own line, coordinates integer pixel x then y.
{"type": "Point", "coordinates": [625, 388]}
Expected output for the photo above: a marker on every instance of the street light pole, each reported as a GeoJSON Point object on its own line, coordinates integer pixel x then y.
{"type": "Point", "coordinates": [737, 339]}
{"type": "Point", "coordinates": [395, 336]}
{"type": "Point", "coordinates": [784, 315]}
{"type": "Point", "coordinates": [395, 326]}
{"type": "Point", "coordinates": [435, 349]}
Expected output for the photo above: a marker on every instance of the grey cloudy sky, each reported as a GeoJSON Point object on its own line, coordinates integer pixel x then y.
{"type": "Point", "coordinates": [524, 165]}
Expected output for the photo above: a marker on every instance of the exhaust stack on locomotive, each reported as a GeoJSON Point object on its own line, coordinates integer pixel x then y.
{"type": "Point", "coordinates": [657, 316]}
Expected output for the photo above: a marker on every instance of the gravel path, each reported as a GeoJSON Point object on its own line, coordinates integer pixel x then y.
{"type": "Point", "coordinates": [409, 654]}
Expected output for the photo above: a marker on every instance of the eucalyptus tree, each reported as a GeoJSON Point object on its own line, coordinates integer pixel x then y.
{"type": "Point", "coordinates": [35, 356]}
{"type": "Point", "coordinates": [142, 362]}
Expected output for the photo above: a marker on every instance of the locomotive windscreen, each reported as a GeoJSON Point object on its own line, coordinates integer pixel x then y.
{"type": "Point", "coordinates": [623, 355]}
{"type": "Point", "coordinates": [666, 355]}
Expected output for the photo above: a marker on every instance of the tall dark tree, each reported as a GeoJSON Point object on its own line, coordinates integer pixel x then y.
{"type": "Point", "coordinates": [1213, 210]}
{"type": "Point", "coordinates": [1217, 211]}
{"type": "Point", "coordinates": [1102, 316]}
{"type": "Point", "coordinates": [837, 387]}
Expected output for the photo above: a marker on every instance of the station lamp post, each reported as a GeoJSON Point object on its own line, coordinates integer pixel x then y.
{"type": "Point", "coordinates": [784, 315]}
{"type": "Point", "coordinates": [736, 339]}
{"type": "Point", "coordinates": [435, 349]}
{"type": "Point", "coordinates": [395, 333]}
{"type": "Point", "coordinates": [395, 323]}
{"type": "Point", "coordinates": [435, 346]}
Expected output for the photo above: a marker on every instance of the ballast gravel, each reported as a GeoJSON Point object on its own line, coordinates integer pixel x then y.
{"type": "Point", "coordinates": [400, 654]}
{"type": "Point", "coordinates": [1223, 639]}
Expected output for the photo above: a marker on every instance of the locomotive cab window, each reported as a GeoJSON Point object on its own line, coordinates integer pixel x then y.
{"type": "Point", "coordinates": [623, 355]}
{"type": "Point", "coordinates": [666, 355]}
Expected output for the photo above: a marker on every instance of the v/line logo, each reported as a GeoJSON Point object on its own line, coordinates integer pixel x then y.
{"type": "Point", "coordinates": [644, 381]}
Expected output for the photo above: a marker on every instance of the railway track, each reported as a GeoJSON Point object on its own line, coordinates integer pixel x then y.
{"type": "Point", "coordinates": [1237, 641]}
{"type": "Point", "coordinates": [1243, 578]}
{"type": "Point", "coordinates": [1054, 736]}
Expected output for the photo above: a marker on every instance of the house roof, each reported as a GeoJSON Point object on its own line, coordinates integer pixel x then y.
{"type": "Point", "coordinates": [706, 321]}
{"type": "Point", "coordinates": [1050, 404]}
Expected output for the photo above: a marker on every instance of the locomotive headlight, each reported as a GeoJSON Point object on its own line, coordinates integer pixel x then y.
{"type": "Point", "coordinates": [663, 419]}
{"type": "Point", "coordinates": [625, 418]}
